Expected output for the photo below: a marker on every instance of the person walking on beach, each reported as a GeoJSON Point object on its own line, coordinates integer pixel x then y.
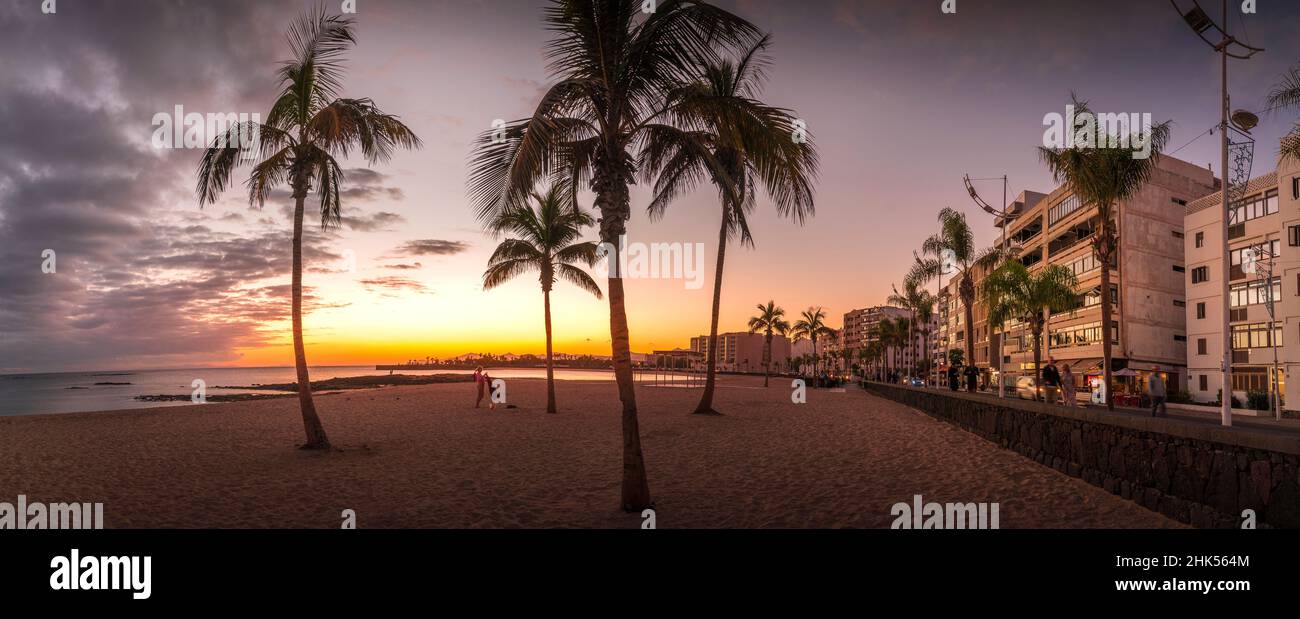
{"type": "Point", "coordinates": [1067, 386]}
{"type": "Point", "coordinates": [480, 381]}
{"type": "Point", "coordinates": [1051, 381]}
{"type": "Point", "coordinates": [1156, 389]}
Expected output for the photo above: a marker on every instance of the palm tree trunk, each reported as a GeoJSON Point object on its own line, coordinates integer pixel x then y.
{"type": "Point", "coordinates": [705, 407]}
{"type": "Point", "coordinates": [550, 363]}
{"type": "Point", "coordinates": [1105, 331]}
{"type": "Point", "coordinates": [967, 291]}
{"type": "Point", "coordinates": [816, 377]}
{"type": "Point", "coordinates": [316, 438]}
{"type": "Point", "coordinates": [610, 183]}
{"type": "Point", "coordinates": [1037, 331]}
{"type": "Point", "coordinates": [767, 359]}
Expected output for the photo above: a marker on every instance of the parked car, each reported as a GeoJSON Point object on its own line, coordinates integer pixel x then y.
{"type": "Point", "coordinates": [1027, 388]}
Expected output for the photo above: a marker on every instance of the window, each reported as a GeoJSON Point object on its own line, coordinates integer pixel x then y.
{"type": "Point", "coordinates": [1255, 335]}
{"type": "Point", "coordinates": [1295, 188]}
{"type": "Point", "coordinates": [1254, 293]}
{"type": "Point", "coordinates": [1178, 234]}
{"type": "Point", "coordinates": [1200, 274]}
{"type": "Point", "coordinates": [1205, 386]}
{"type": "Point", "coordinates": [1254, 207]}
{"type": "Point", "coordinates": [1262, 252]}
{"type": "Point", "coordinates": [1180, 338]}
{"type": "Point", "coordinates": [1249, 379]}
{"type": "Point", "coordinates": [1200, 311]}
{"type": "Point", "coordinates": [1062, 209]}
{"type": "Point", "coordinates": [1200, 239]}
{"type": "Point", "coordinates": [1083, 334]}
{"type": "Point", "coordinates": [1293, 236]}
{"type": "Point", "coordinates": [1200, 347]}
{"type": "Point", "coordinates": [1086, 264]}
{"type": "Point", "coordinates": [1178, 268]}
{"type": "Point", "coordinates": [1178, 201]}
{"type": "Point", "coordinates": [1180, 303]}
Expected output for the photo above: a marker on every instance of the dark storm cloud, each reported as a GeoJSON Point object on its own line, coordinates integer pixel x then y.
{"type": "Point", "coordinates": [137, 281]}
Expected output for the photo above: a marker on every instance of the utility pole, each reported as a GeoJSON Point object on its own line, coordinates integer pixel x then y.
{"type": "Point", "coordinates": [1201, 23]}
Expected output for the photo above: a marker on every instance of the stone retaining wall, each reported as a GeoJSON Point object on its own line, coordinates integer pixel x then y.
{"type": "Point", "coordinates": [1201, 474]}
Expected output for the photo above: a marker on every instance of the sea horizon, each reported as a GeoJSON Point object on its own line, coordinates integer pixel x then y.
{"type": "Point", "coordinates": [78, 392]}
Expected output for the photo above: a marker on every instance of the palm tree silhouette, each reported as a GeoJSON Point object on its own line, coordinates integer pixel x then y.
{"type": "Point", "coordinates": [615, 66]}
{"type": "Point", "coordinates": [545, 244]}
{"type": "Point", "coordinates": [306, 128]}
{"type": "Point", "coordinates": [737, 142]}
{"type": "Point", "coordinates": [811, 325]}
{"type": "Point", "coordinates": [770, 320]}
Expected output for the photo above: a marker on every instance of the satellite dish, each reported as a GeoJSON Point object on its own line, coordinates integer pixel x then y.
{"type": "Point", "coordinates": [1244, 120]}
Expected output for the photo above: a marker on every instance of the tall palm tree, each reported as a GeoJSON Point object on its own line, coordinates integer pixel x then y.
{"type": "Point", "coordinates": [912, 298]}
{"type": "Point", "coordinates": [735, 141]}
{"type": "Point", "coordinates": [812, 325]}
{"type": "Point", "coordinates": [893, 334]}
{"type": "Point", "coordinates": [1286, 94]}
{"type": "Point", "coordinates": [1105, 177]}
{"type": "Point", "coordinates": [1013, 292]}
{"type": "Point", "coordinates": [770, 320]}
{"type": "Point", "coordinates": [615, 67]}
{"type": "Point", "coordinates": [922, 302]}
{"type": "Point", "coordinates": [956, 240]}
{"type": "Point", "coordinates": [548, 244]}
{"type": "Point", "coordinates": [307, 127]}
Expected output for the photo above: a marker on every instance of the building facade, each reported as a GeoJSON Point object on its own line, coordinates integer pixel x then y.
{"type": "Point", "coordinates": [1148, 321]}
{"type": "Point", "coordinates": [741, 351]}
{"type": "Point", "coordinates": [1264, 250]}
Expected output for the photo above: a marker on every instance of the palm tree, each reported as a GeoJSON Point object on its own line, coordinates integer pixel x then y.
{"type": "Point", "coordinates": [615, 67]}
{"type": "Point", "coordinates": [886, 333]}
{"type": "Point", "coordinates": [736, 142]}
{"type": "Point", "coordinates": [548, 244]}
{"type": "Point", "coordinates": [770, 320]}
{"type": "Point", "coordinates": [1286, 94]}
{"type": "Point", "coordinates": [1105, 177]}
{"type": "Point", "coordinates": [812, 325]}
{"type": "Point", "coordinates": [912, 298]}
{"type": "Point", "coordinates": [955, 239]}
{"type": "Point", "coordinates": [306, 128]}
{"type": "Point", "coordinates": [1013, 292]}
{"type": "Point", "coordinates": [922, 303]}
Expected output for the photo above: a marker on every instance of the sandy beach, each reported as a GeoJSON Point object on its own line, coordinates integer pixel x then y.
{"type": "Point", "coordinates": [423, 457]}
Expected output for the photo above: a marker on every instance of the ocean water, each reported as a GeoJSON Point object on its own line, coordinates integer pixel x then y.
{"type": "Point", "coordinates": [69, 392]}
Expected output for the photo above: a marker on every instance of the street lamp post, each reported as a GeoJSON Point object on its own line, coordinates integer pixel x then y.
{"type": "Point", "coordinates": [1002, 217]}
{"type": "Point", "coordinates": [1226, 46]}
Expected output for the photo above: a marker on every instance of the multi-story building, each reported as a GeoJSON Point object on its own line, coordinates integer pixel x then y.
{"type": "Point", "coordinates": [743, 352]}
{"type": "Point", "coordinates": [1147, 325]}
{"type": "Point", "coordinates": [860, 330]}
{"type": "Point", "coordinates": [1263, 241]}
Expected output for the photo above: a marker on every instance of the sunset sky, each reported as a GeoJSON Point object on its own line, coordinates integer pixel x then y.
{"type": "Point", "coordinates": [901, 101]}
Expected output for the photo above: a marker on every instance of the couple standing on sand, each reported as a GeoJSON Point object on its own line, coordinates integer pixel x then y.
{"type": "Point", "coordinates": [483, 382]}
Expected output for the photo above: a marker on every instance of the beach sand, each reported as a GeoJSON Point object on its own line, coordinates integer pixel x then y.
{"type": "Point", "coordinates": [422, 456]}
